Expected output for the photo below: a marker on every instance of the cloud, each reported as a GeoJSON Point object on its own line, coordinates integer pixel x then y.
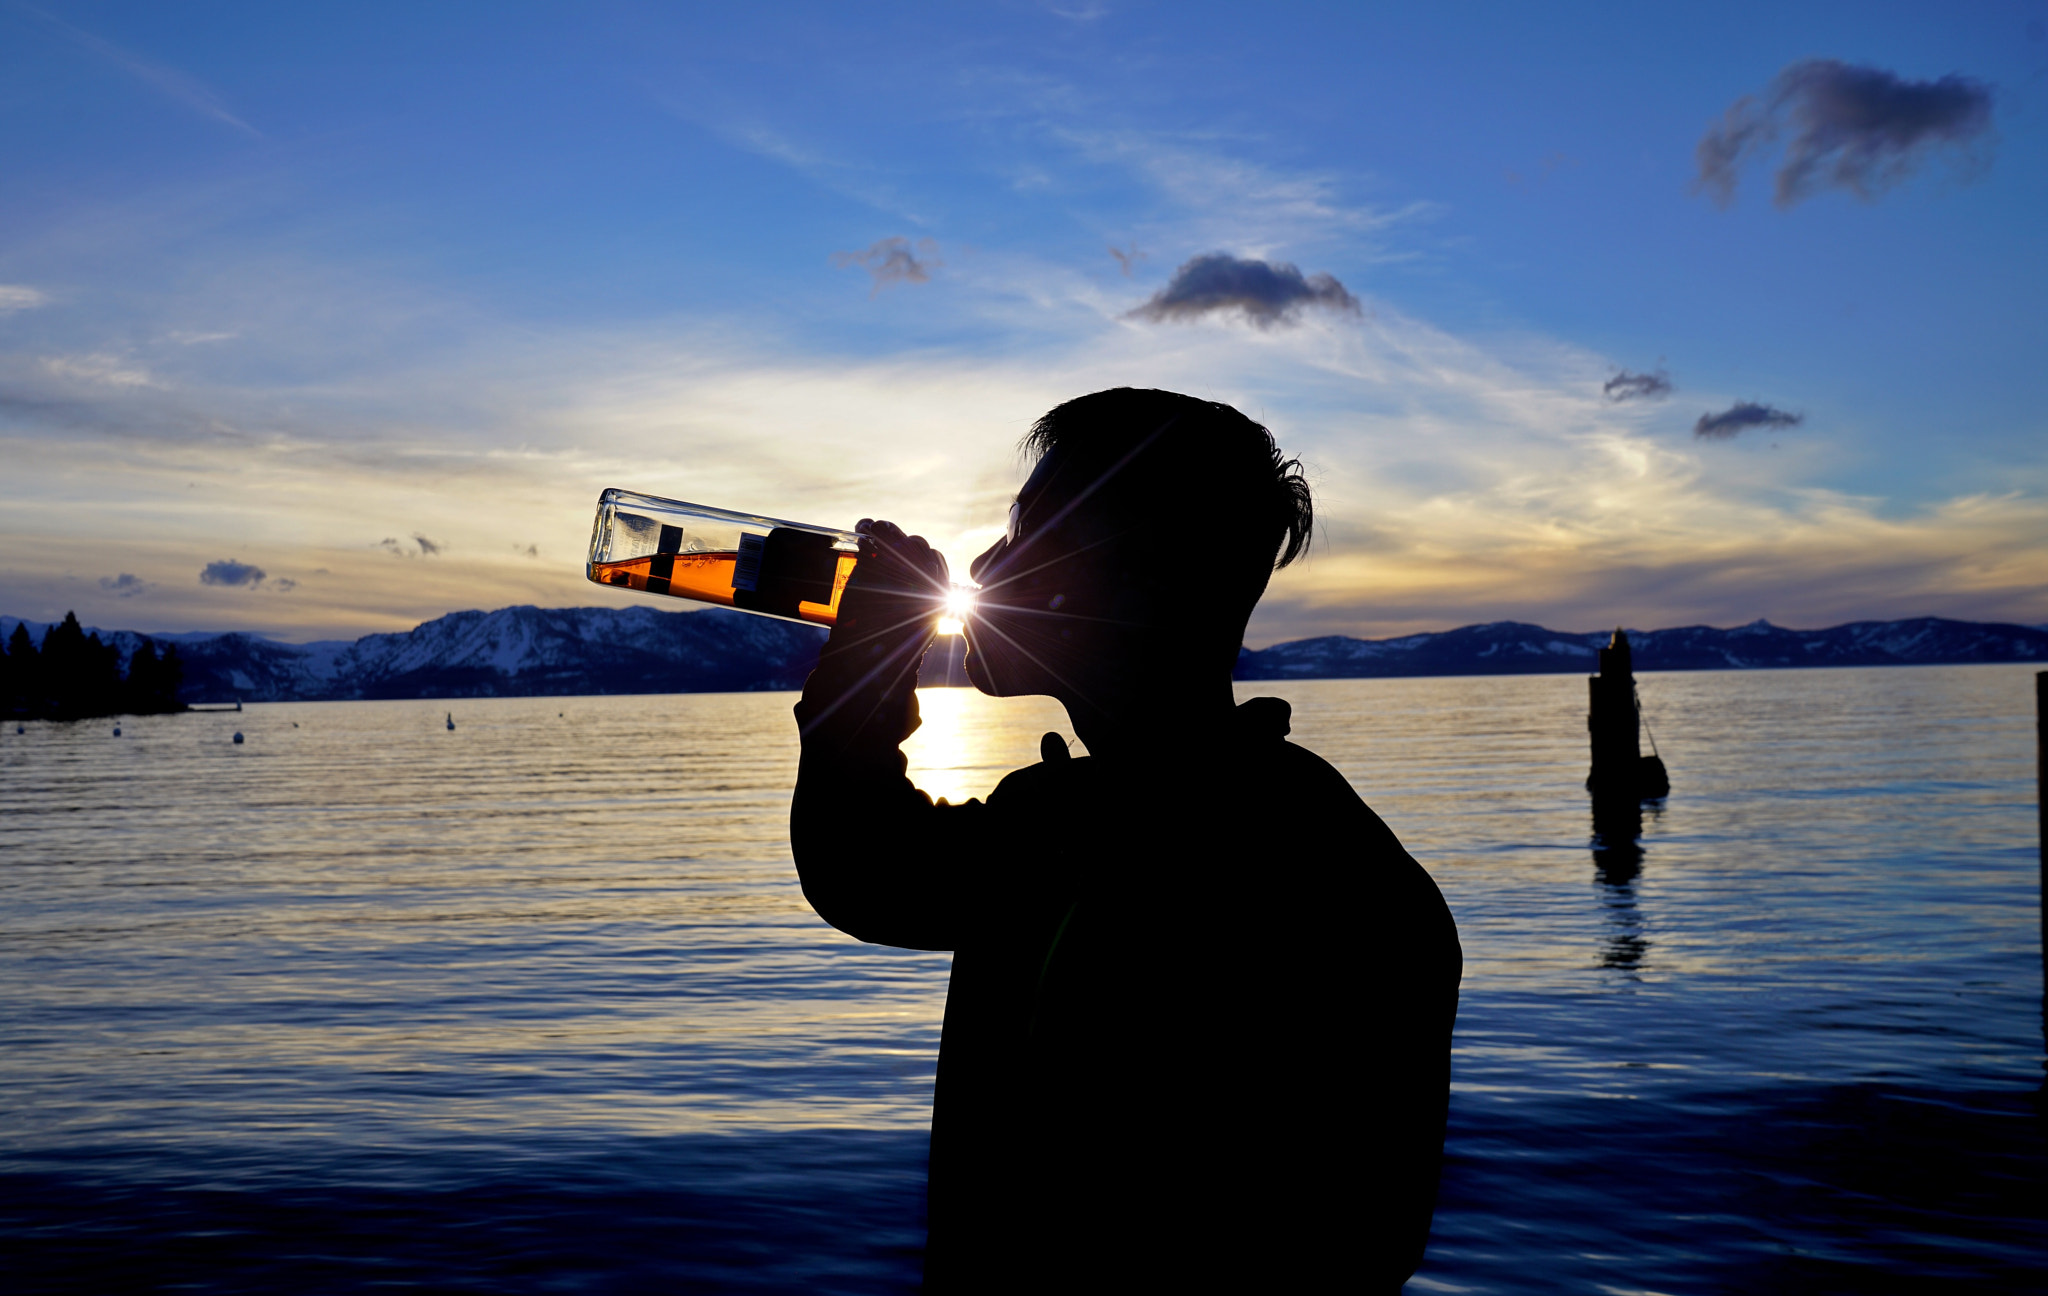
{"type": "Point", "coordinates": [127, 585]}
{"type": "Point", "coordinates": [14, 297]}
{"type": "Point", "coordinates": [1742, 416]}
{"type": "Point", "coordinates": [1497, 482]}
{"type": "Point", "coordinates": [229, 572]}
{"type": "Point", "coordinates": [167, 81]}
{"type": "Point", "coordinates": [1269, 293]}
{"type": "Point", "coordinates": [1626, 386]}
{"type": "Point", "coordinates": [100, 368]}
{"type": "Point", "coordinates": [1857, 128]}
{"type": "Point", "coordinates": [891, 261]}
{"type": "Point", "coordinates": [427, 547]}
{"type": "Point", "coordinates": [526, 550]}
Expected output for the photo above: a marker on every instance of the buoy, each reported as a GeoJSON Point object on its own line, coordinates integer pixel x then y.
{"type": "Point", "coordinates": [21, 728]}
{"type": "Point", "coordinates": [295, 724]}
{"type": "Point", "coordinates": [451, 719]}
{"type": "Point", "coordinates": [238, 736]}
{"type": "Point", "coordinates": [117, 731]}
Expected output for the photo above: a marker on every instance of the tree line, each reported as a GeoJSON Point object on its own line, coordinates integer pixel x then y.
{"type": "Point", "coordinates": [73, 675]}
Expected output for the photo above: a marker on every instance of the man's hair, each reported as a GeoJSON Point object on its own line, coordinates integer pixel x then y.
{"type": "Point", "coordinates": [1173, 473]}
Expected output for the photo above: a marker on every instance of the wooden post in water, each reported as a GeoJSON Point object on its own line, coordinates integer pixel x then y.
{"type": "Point", "coordinates": [1611, 720]}
{"type": "Point", "coordinates": [1620, 771]}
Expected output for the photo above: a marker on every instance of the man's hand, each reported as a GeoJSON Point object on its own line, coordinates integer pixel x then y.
{"type": "Point", "coordinates": [863, 692]}
{"type": "Point", "coordinates": [896, 593]}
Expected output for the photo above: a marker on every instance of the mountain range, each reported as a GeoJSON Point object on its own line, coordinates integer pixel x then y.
{"type": "Point", "coordinates": [531, 651]}
{"type": "Point", "coordinates": [1516, 648]}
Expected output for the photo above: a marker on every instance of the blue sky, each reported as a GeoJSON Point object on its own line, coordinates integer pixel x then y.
{"type": "Point", "coordinates": [373, 299]}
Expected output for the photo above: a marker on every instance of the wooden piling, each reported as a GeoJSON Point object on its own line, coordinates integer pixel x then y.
{"type": "Point", "coordinates": [1620, 770]}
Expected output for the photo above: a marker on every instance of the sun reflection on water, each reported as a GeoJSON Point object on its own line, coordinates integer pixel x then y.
{"type": "Point", "coordinates": [969, 740]}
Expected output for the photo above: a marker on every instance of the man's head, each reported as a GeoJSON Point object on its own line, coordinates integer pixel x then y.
{"type": "Point", "coordinates": [1138, 548]}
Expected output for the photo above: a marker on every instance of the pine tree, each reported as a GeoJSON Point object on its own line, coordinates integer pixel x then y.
{"type": "Point", "coordinates": [170, 678]}
{"type": "Point", "coordinates": [140, 685]}
{"type": "Point", "coordinates": [25, 671]}
{"type": "Point", "coordinates": [152, 684]}
{"type": "Point", "coordinates": [81, 675]}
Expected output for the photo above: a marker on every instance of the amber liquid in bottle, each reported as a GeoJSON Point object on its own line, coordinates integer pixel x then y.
{"type": "Point", "coordinates": [707, 577]}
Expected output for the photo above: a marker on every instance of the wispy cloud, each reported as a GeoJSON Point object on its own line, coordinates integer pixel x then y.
{"type": "Point", "coordinates": [107, 370]}
{"type": "Point", "coordinates": [165, 80]}
{"type": "Point", "coordinates": [1741, 417]}
{"type": "Point", "coordinates": [14, 297]}
{"type": "Point", "coordinates": [1862, 129]}
{"type": "Point", "coordinates": [422, 547]}
{"type": "Point", "coordinates": [893, 261]}
{"type": "Point", "coordinates": [1227, 193]}
{"type": "Point", "coordinates": [1267, 293]}
{"type": "Point", "coordinates": [1463, 481]}
{"type": "Point", "coordinates": [126, 585]}
{"type": "Point", "coordinates": [1627, 386]}
{"type": "Point", "coordinates": [836, 171]}
{"type": "Point", "coordinates": [228, 572]}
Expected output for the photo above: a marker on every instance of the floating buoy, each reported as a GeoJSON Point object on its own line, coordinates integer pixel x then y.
{"type": "Point", "coordinates": [451, 719]}
{"type": "Point", "coordinates": [117, 731]}
{"type": "Point", "coordinates": [295, 724]}
{"type": "Point", "coordinates": [238, 736]}
{"type": "Point", "coordinates": [21, 728]}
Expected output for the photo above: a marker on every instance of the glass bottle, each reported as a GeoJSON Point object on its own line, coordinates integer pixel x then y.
{"type": "Point", "coordinates": [742, 560]}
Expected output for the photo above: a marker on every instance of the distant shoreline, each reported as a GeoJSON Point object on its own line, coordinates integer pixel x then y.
{"type": "Point", "coordinates": [634, 651]}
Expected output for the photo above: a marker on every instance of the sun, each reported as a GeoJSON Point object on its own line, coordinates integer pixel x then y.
{"type": "Point", "coordinates": [959, 606]}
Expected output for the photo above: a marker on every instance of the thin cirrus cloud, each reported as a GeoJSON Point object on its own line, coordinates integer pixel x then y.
{"type": "Point", "coordinates": [167, 81]}
{"type": "Point", "coordinates": [14, 297]}
{"type": "Point", "coordinates": [893, 261]}
{"type": "Point", "coordinates": [1627, 386]}
{"type": "Point", "coordinates": [1741, 417]}
{"type": "Point", "coordinates": [1862, 129]}
{"type": "Point", "coordinates": [233, 574]}
{"type": "Point", "coordinates": [1266, 293]}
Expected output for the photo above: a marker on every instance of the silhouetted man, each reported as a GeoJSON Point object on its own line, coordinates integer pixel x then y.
{"type": "Point", "coordinates": [1198, 1032]}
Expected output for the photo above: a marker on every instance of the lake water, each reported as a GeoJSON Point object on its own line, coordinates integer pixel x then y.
{"type": "Point", "coordinates": [536, 1004]}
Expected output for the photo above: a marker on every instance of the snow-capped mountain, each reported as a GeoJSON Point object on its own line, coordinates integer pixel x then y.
{"type": "Point", "coordinates": [1516, 648]}
{"type": "Point", "coordinates": [515, 651]}
{"type": "Point", "coordinates": [526, 651]}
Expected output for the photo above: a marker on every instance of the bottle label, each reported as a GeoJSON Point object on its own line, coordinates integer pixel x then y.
{"type": "Point", "coordinates": [746, 572]}
{"type": "Point", "coordinates": [788, 566]}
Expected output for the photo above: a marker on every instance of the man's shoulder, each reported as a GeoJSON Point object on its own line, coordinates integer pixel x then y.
{"type": "Point", "coordinates": [1310, 782]}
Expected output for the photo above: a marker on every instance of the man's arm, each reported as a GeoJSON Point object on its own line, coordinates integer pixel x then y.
{"type": "Point", "coordinates": [878, 860]}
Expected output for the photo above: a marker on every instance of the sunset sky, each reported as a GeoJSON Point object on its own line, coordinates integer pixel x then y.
{"type": "Point", "coordinates": [319, 320]}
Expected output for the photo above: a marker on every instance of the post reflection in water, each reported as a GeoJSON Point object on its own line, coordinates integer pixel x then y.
{"type": "Point", "coordinates": [1617, 863]}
